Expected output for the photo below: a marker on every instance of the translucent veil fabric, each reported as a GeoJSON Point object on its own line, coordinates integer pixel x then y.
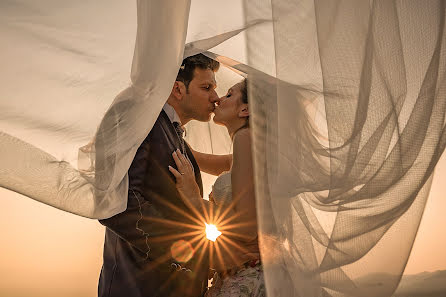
{"type": "Point", "coordinates": [66, 64]}
{"type": "Point", "coordinates": [347, 104]}
{"type": "Point", "coordinates": [339, 215]}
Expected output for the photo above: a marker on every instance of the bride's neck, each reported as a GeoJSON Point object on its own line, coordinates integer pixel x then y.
{"type": "Point", "coordinates": [233, 129]}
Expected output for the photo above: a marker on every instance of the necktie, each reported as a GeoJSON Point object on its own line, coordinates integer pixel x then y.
{"type": "Point", "coordinates": [180, 132]}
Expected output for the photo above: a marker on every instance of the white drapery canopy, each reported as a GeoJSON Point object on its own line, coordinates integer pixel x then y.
{"type": "Point", "coordinates": [347, 100]}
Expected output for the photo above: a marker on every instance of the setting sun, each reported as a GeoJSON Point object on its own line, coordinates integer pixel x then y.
{"type": "Point", "coordinates": [212, 232]}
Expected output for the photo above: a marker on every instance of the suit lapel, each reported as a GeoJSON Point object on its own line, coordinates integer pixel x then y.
{"type": "Point", "coordinates": [169, 130]}
{"type": "Point", "coordinates": [196, 168]}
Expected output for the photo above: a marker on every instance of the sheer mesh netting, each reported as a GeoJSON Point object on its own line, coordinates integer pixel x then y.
{"type": "Point", "coordinates": [348, 111]}
{"type": "Point", "coordinates": [339, 215]}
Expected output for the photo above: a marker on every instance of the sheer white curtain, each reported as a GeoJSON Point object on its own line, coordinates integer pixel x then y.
{"type": "Point", "coordinates": [346, 139]}
{"type": "Point", "coordinates": [347, 100]}
{"type": "Point", "coordinates": [59, 85]}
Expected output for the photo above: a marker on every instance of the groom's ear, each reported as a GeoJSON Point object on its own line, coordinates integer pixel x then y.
{"type": "Point", "coordinates": [244, 111]}
{"type": "Point", "coordinates": [178, 90]}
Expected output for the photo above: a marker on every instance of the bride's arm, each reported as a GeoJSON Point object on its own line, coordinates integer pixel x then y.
{"type": "Point", "coordinates": [242, 179]}
{"type": "Point", "coordinates": [239, 226]}
{"type": "Point", "coordinates": [212, 164]}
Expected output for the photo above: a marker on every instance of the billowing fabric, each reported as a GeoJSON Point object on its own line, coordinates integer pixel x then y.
{"type": "Point", "coordinates": [345, 139]}
{"type": "Point", "coordinates": [48, 121]}
{"type": "Point", "coordinates": [347, 104]}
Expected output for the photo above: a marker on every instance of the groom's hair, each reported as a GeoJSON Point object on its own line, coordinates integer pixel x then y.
{"type": "Point", "coordinates": [186, 72]}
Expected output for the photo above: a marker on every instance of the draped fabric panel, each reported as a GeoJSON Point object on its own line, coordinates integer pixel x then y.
{"type": "Point", "coordinates": [49, 120]}
{"type": "Point", "coordinates": [347, 104]}
{"type": "Point", "coordinates": [346, 138]}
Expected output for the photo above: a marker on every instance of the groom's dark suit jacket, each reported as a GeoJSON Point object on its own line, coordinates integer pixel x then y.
{"type": "Point", "coordinates": [138, 257]}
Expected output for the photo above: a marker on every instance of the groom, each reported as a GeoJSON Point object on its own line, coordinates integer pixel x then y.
{"type": "Point", "coordinates": [140, 257]}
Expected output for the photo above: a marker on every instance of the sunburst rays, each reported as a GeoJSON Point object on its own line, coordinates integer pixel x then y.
{"type": "Point", "coordinates": [225, 251]}
{"type": "Point", "coordinates": [185, 242]}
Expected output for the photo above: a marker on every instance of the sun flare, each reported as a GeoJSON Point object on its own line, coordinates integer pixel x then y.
{"type": "Point", "coordinates": [212, 232]}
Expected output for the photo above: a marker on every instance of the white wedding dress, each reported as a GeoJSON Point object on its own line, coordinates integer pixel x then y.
{"type": "Point", "coordinates": [222, 190]}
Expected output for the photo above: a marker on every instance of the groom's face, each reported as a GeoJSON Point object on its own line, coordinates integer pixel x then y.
{"type": "Point", "coordinates": [200, 99]}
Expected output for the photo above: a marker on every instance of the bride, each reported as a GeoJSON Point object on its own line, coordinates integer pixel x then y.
{"type": "Point", "coordinates": [232, 194]}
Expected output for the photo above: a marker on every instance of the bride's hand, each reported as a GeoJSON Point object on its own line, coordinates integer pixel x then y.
{"type": "Point", "coordinates": [185, 177]}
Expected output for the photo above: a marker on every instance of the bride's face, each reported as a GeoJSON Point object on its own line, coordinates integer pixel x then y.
{"type": "Point", "coordinates": [227, 112]}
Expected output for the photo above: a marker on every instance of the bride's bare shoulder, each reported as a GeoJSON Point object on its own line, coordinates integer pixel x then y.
{"type": "Point", "coordinates": [242, 135]}
{"type": "Point", "coordinates": [242, 140]}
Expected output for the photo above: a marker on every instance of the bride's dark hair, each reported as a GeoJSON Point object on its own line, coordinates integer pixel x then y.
{"type": "Point", "coordinates": [244, 99]}
{"type": "Point", "coordinates": [244, 90]}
